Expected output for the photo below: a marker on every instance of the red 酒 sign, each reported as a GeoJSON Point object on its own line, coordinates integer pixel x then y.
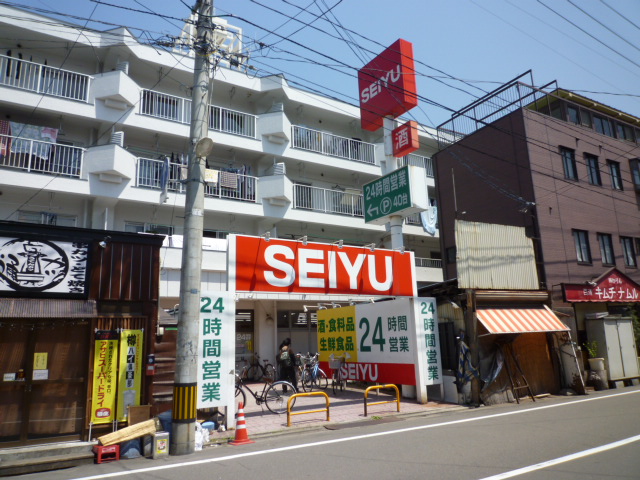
{"type": "Point", "coordinates": [613, 286]}
{"type": "Point", "coordinates": [387, 85]}
{"type": "Point", "coordinates": [405, 139]}
{"type": "Point", "coordinates": [289, 266]}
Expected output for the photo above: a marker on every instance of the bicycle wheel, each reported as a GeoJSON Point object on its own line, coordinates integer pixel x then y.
{"type": "Point", "coordinates": [254, 374]}
{"type": "Point", "coordinates": [320, 380]}
{"type": "Point", "coordinates": [240, 395]}
{"type": "Point", "coordinates": [306, 381]}
{"type": "Point", "coordinates": [277, 396]}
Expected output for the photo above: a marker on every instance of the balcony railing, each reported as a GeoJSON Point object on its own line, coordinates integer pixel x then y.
{"type": "Point", "coordinates": [333, 145]}
{"type": "Point", "coordinates": [326, 200]}
{"type": "Point", "coordinates": [44, 79]}
{"type": "Point", "coordinates": [428, 262]}
{"type": "Point", "coordinates": [418, 161]}
{"type": "Point", "coordinates": [228, 185]}
{"type": "Point", "coordinates": [415, 220]}
{"type": "Point", "coordinates": [40, 157]}
{"type": "Point", "coordinates": [178, 109]}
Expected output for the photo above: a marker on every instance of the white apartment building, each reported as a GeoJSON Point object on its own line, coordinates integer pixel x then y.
{"type": "Point", "coordinates": [89, 118]}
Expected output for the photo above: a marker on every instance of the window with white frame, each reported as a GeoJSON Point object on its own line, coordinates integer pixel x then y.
{"type": "Point", "coordinates": [47, 218]}
{"type": "Point", "coordinates": [141, 227]}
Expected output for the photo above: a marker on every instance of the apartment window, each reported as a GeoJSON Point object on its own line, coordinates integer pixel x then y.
{"type": "Point", "coordinates": [574, 114]}
{"type": "Point", "coordinates": [569, 163]}
{"type": "Point", "coordinates": [629, 252]}
{"type": "Point", "coordinates": [606, 249]}
{"type": "Point", "coordinates": [593, 169]}
{"type": "Point", "coordinates": [139, 227]}
{"type": "Point", "coordinates": [624, 132]}
{"type": "Point", "coordinates": [635, 172]}
{"type": "Point", "coordinates": [603, 125]}
{"type": "Point", "coordinates": [47, 218]}
{"type": "Point", "coordinates": [616, 175]}
{"type": "Point", "coordinates": [583, 251]}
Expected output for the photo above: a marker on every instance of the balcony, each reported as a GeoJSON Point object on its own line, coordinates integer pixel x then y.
{"type": "Point", "coordinates": [178, 109]}
{"type": "Point", "coordinates": [418, 161]}
{"type": "Point", "coordinates": [326, 200]}
{"type": "Point", "coordinates": [333, 145]}
{"type": "Point", "coordinates": [228, 185]}
{"type": "Point", "coordinates": [40, 157]}
{"type": "Point", "coordinates": [428, 262]}
{"type": "Point", "coordinates": [43, 79]}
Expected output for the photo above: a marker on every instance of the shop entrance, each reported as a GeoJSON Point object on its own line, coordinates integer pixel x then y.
{"type": "Point", "coordinates": [244, 338]}
{"type": "Point", "coordinates": [44, 383]}
{"type": "Point", "coordinates": [301, 327]}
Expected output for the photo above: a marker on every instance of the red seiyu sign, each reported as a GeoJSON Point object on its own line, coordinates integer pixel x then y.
{"type": "Point", "coordinates": [405, 139]}
{"type": "Point", "coordinates": [387, 85]}
{"type": "Point", "coordinates": [611, 287]}
{"type": "Point", "coordinates": [288, 266]}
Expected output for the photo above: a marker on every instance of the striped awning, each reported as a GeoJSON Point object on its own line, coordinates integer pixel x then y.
{"type": "Point", "coordinates": [520, 320]}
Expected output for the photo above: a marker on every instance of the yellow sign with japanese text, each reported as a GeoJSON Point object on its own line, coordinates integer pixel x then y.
{"type": "Point", "coordinates": [130, 371]}
{"type": "Point", "coordinates": [337, 333]}
{"type": "Point", "coordinates": [103, 399]}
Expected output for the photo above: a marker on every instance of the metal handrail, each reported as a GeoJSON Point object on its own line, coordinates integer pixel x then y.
{"type": "Point", "coordinates": [308, 394]}
{"type": "Point", "coordinates": [377, 387]}
{"type": "Point", "coordinates": [327, 200]}
{"type": "Point", "coordinates": [333, 145]}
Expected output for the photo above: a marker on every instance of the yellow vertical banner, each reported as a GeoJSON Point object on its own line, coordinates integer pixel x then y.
{"type": "Point", "coordinates": [103, 399]}
{"type": "Point", "coordinates": [130, 371]}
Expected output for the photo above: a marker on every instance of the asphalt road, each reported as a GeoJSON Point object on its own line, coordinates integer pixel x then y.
{"type": "Point", "coordinates": [588, 437]}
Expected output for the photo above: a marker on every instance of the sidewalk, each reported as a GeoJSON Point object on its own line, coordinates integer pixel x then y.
{"type": "Point", "coordinates": [345, 407]}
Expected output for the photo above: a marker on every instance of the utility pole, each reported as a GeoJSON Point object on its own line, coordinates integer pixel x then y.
{"type": "Point", "coordinates": [185, 394]}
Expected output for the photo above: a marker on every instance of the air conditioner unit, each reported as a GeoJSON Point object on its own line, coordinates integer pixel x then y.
{"type": "Point", "coordinates": [117, 138]}
{"type": "Point", "coordinates": [278, 169]}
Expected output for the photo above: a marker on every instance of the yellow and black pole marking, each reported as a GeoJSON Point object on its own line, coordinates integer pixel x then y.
{"type": "Point", "coordinates": [184, 402]}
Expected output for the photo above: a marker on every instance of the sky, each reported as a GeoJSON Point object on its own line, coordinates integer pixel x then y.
{"type": "Point", "coordinates": [463, 48]}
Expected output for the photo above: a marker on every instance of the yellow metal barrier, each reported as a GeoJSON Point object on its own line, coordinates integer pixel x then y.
{"type": "Point", "coordinates": [377, 387]}
{"type": "Point", "coordinates": [309, 394]}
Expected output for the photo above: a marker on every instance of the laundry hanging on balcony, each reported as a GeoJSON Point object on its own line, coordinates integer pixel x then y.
{"type": "Point", "coordinates": [24, 133]}
{"type": "Point", "coordinates": [228, 179]}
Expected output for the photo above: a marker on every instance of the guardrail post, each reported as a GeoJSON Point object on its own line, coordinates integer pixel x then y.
{"type": "Point", "coordinates": [377, 387]}
{"type": "Point", "coordinates": [308, 394]}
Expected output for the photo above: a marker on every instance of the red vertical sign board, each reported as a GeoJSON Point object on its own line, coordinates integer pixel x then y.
{"type": "Point", "coordinates": [387, 85]}
{"type": "Point", "coordinates": [405, 139]}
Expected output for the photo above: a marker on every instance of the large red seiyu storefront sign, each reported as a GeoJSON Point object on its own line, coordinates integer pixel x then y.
{"type": "Point", "coordinates": [613, 286]}
{"type": "Point", "coordinates": [287, 266]}
{"type": "Point", "coordinates": [387, 85]}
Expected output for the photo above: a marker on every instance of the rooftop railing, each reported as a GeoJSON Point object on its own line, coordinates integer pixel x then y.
{"type": "Point", "coordinates": [178, 109]}
{"type": "Point", "coordinates": [333, 145]}
{"type": "Point", "coordinates": [151, 173]}
{"type": "Point", "coordinates": [40, 157]}
{"type": "Point", "coordinates": [327, 200]}
{"type": "Point", "coordinates": [44, 79]}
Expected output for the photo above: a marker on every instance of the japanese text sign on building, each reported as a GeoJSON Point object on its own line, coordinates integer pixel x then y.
{"type": "Point", "coordinates": [387, 85]}
{"type": "Point", "coordinates": [34, 267]}
{"type": "Point", "coordinates": [388, 342]}
{"type": "Point", "coordinates": [216, 350]}
{"type": "Point", "coordinates": [613, 286]}
{"type": "Point", "coordinates": [288, 266]}
{"type": "Point", "coordinates": [405, 139]}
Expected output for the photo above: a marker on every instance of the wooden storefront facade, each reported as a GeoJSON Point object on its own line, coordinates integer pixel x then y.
{"type": "Point", "coordinates": [59, 287]}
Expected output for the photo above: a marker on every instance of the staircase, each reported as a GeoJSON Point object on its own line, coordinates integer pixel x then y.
{"type": "Point", "coordinates": [40, 458]}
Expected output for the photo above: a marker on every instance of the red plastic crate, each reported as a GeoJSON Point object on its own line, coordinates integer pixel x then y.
{"type": "Point", "coordinates": [110, 453]}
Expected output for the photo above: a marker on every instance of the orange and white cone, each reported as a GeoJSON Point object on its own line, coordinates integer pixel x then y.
{"type": "Point", "coordinates": [242, 436]}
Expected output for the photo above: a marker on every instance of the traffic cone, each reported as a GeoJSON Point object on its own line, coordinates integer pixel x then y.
{"type": "Point", "coordinates": [242, 436]}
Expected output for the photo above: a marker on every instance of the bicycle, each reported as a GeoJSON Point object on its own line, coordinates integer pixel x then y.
{"type": "Point", "coordinates": [338, 378]}
{"type": "Point", "coordinates": [312, 375]}
{"type": "Point", "coordinates": [258, 371]}
{"type": "Point", "coordinates": [274, 394]}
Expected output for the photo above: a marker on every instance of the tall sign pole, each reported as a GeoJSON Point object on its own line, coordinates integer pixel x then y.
{"type": "Point", "coordinates": [185, 385]}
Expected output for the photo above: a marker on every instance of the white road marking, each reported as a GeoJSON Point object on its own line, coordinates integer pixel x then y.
{"type": "Point", "coordinates": [566, 458]}
{"type": "Point", "coordinates": [356, 437]}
